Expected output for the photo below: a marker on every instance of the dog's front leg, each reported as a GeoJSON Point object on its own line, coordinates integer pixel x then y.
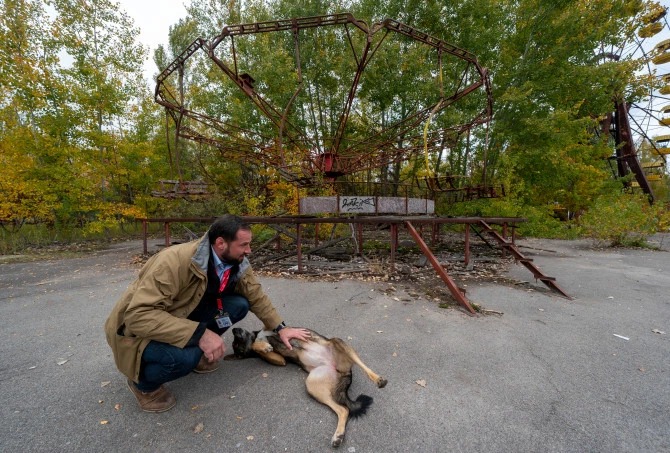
{"type": "Point", "coordinates": [264, 349]}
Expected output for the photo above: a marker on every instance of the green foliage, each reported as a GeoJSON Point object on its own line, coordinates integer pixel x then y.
{"type": "Point", "coordinates": [624, 219]}
{"type": "Point", "coordinates": [541, 221]}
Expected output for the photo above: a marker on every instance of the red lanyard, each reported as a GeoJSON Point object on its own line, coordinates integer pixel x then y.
{"type": "Point", "coordinates": [224, 282]}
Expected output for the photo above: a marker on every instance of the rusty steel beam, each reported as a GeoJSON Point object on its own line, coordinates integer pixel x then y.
{"type": "Point", "coordinates": [626, 151]}
{"type": "Point", "coordinates": [509, 246]}
{"type": "Point", "coordinates": [289, 24]}
{"type": "Point", "coordinates": [455, 291]}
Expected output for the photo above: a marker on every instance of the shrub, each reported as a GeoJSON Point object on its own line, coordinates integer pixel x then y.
{"type": "Point", "coordinates": [623, 219]}
{"type": "Point", "coordinates": [541, 221]}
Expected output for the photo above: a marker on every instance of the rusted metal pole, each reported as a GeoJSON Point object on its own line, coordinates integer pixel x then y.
{"type": "Point", "coordinates": [453, 289]}
{"type": "Point", "coordinates": [504, 235]}
{"type": "Point", "coordinates": [394, 243]}
{"type": "Point", "coordinates": [466, 252]}
{"type": "Point", "coordinates": [166, 228]}
{"type": "Point", "coordinates": [145, 232]}
{"type": "Point", "coordinates": [299, 245]}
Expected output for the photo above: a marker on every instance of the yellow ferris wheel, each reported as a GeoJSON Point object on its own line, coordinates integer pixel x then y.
{"type": "Point", "coordinates": [641, 129]}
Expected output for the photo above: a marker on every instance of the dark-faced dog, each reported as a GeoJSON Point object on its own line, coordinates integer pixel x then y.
{"type": "Point", "coordinates": [328, 362]}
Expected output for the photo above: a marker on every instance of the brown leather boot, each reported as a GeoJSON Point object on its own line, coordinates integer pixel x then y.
{"type": "Point", "coordinates": [205, 366]}
{"type": "Point", "coordinates": [160, 400]}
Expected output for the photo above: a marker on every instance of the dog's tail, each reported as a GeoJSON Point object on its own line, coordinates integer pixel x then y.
{"type": "Point", "coordinates": [360, 406]}
{"type": "Point", "coordinates": [341, 395]}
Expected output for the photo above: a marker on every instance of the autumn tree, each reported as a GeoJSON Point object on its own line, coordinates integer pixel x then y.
{"type": "Point", "coordinates": [76, 118]}
{"type": "Point", "coordinates": [29, 94]}
{"type": "Point", "coordinates": [551, 91]}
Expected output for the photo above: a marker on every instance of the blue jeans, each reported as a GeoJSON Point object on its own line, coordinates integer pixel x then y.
{"type": "Point", "coordinates": [162, 362]}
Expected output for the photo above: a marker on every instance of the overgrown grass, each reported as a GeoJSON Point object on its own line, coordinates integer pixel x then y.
{"type": "Point", "coordinates": [624, 220]}
{"type": "Point", "coordinates": [615, 219]}
{"type": "Point", "coordinates": [541, 221]}
{"type": "Point", "coordinates": [18, 240]}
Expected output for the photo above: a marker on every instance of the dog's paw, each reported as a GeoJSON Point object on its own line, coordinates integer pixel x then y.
{"type": "Point", "coordinates": [381, 382]}
{"type": "Point", "coordinates": [261, 347]}
{"type": "Point", "coordinates": [337, 440]}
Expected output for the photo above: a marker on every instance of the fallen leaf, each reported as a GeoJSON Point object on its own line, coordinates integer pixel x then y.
{"type": "Point", "coordinates": [196, 407]}
{"type": "Point", "coordinates": [421, 382]}
{"type": "Point", "coordinates": [264, 375]}
{"type": "Point", "coordinates": [250, 437]}
{"type": "Point", "coordinates": [104, 384]}
{"type": "Point", "coordinates": [395, 354]}
{"type": "Point", "coordinates": [198, 428]}
{"type": "Point", "coordinates": [117, 406]}
{"type": "Point", "coordinates": [104, 422]}
{"type": "Point", "coordinates": [100, 401]}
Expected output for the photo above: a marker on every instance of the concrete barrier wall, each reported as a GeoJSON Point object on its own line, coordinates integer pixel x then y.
{"type": "Point", "coordinates": [366, 205]}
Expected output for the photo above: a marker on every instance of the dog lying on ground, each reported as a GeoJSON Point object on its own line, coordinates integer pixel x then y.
{"type": "Point", "coordinates": [328, 362]}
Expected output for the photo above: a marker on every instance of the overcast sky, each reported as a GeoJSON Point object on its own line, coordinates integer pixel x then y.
{"type": "Point", "coordinates": [154, 18]}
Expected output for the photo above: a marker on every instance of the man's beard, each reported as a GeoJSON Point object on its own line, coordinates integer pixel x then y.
{"type": "Point", "coordinates": [225, 256]}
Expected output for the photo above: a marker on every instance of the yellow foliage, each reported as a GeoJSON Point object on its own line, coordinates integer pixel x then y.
{"type": "Point", "coordinates": [111, 215]}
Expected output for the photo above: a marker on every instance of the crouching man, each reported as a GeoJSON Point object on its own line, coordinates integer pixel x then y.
{"type": "Point", "coordinates": [169, 321]}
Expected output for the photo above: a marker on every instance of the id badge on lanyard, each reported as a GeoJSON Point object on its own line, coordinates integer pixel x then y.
{"type": "Point", "coordinates": [222, 318]}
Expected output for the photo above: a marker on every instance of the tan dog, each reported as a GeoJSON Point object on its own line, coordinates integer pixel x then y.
{"type": "Point", "coordinates": [328, 362]}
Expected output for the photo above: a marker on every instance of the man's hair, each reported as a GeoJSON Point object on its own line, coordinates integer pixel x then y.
{"type": "Point", "coordinates": [226, 227]}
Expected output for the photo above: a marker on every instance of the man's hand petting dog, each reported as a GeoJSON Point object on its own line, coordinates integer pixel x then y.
{"type": "Point", "coordinates": [289, 333]}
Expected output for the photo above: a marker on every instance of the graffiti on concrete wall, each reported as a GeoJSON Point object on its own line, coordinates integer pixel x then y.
{"type": "Point", "coordinates": [357, 204]}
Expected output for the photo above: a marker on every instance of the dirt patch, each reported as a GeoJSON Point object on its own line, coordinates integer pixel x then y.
{"type": "Point", "coordinates": [411, 277]}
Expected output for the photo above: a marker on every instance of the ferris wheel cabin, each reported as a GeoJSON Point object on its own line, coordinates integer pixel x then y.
{"type": "Point", "coordinates": [662, 144]}
{"type": "Point", "coordinates": [661, 52]}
